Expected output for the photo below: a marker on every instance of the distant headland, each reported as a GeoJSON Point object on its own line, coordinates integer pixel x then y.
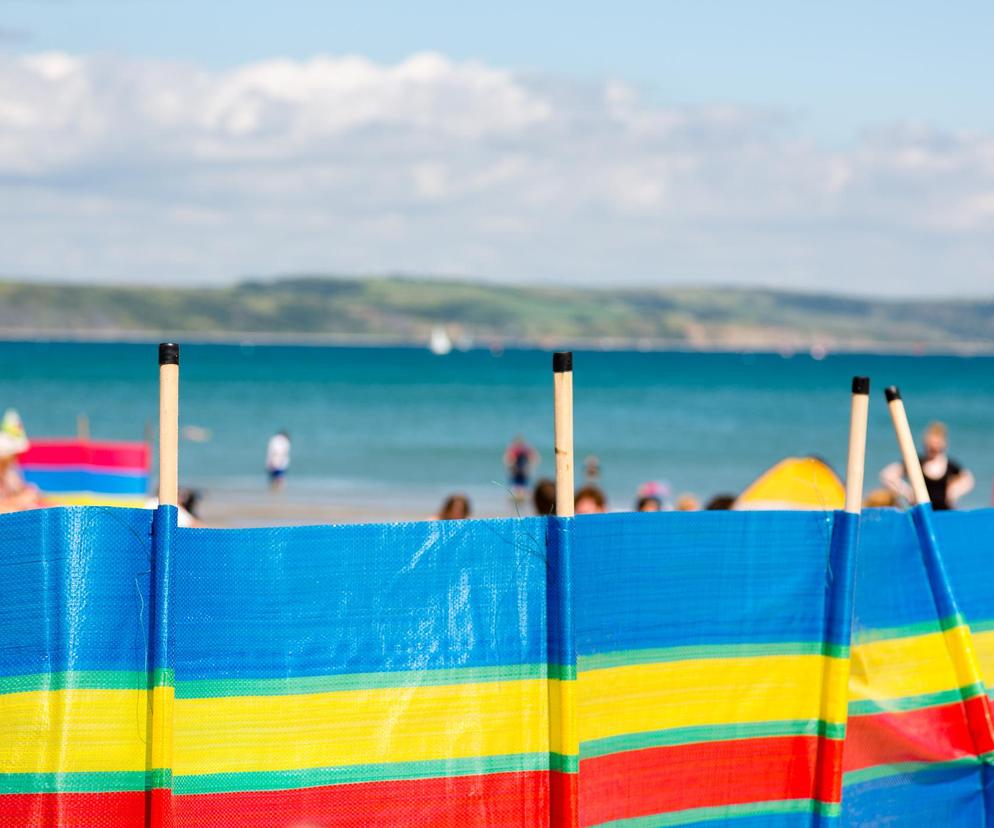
{"type": "Point", "coordinates": [394, 309]}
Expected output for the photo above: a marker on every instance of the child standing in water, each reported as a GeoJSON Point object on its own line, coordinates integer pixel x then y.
{"type": "Point", "coordinates": [520, 459]}
{"type": "Point", "coordinates": [278, 459]}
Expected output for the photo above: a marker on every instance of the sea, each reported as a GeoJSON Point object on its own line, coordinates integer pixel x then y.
{"type": "Point", "coordinates": [392, 430]}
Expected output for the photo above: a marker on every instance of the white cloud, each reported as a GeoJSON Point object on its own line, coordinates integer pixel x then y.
{"type": "Point", "coordinates": [136, 169]}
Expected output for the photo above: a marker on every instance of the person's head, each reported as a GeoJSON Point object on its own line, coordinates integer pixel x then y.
{"type": "Point", "coordinates": [589, 500]}
{"type": "Point", "coordinates": [649, 503]}
{"type": "Point", "coordinates": [544, 497]}
{"type": "Point", "coordinates": [188, 499]}
{"type": "Point", "coordinates": [13, 440]}
{"type": "Point", "coordinates": [455, 507]}
{"type": "Point", "coordinates": [936, 439]}
{"type": "Point", "coordinates": [880, 499]}
{"type": "Point", "coordinates": [720, 503]}
{"type": "Point", "coordinates": [284, 433]}
{"type": "Point", "coordinates": [688, 503]}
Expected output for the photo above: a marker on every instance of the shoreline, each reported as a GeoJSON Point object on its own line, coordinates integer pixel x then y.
{"type": "Point", "coordinates": [816, 349]}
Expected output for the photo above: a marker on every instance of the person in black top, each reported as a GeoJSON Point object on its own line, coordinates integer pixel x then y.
{"type": "Point", "coordinates": [946, 480]}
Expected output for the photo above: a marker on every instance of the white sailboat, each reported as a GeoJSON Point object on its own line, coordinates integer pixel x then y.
{"type": "Point", "coordinates": [439, 342]}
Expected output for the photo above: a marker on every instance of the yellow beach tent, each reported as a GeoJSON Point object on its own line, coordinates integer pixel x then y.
{"type": "Point", "coordinates": [795, 483]}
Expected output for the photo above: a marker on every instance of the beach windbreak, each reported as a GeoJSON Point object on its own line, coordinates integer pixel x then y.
{"type": "Point", "coordinates": [741, 668]}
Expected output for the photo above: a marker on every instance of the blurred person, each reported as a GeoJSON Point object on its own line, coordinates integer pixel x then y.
{"type": "Point", "coordinates": [544, 497]}
{"type": "Point", "coordinates": [652, 496]}
{"type": "Point", "coordinates": [189, 499]}
{"type": "Point", "coordinates": [278, 459]}
{"type": "Point", "coordinates": [688, 502]}
{"type": "Point", "coordinates": [946, 480]}
{"type": "Point", "coordinates": [520, 459]}
{"type": "Point", "coordinates": [648, 503]}
{"type": "Point", "coordinates": [185, 519]}
{"type": "Point", "coordinates": [880, 499]}
{"type": "Point", "coordinates": [592, 468]}
{"type": "Point", "coordinates": [589, 500]}
{"type": "Point", "coordinates": [455, 507]}
{"type": "Point", "coordinates": [720, 503]}
{"type": "Point", "coordinates": [15, 493]}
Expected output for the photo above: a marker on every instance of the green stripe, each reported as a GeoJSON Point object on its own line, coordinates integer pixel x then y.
{"type": "Point", "coordinates": [982, 626]}
{"type": "Point", "coordinates": [215, 688]}
{"type": "Point", "coordinates": [709, 733]}
{"type": "Point", "coordinates": [903, 768]}
{"type": "Point", "coordinates": [386, 772]}
{"type": "Point", "coordinates": [722, 812]}
{"type": "Point", "coordinates": [626, 658]}
{"type": "Point", "coordinates": [95, 782]}
{"type": "Point", "coordinates": [869, 707]}
{"type": "Point", "coordinates": [19, 783]}
{"type": "Point", "coordinates": [299, 685]}
{"type": "Point", "coordinates": [87, 680]}
{"type": "Point", "coordinates": [869, 636]}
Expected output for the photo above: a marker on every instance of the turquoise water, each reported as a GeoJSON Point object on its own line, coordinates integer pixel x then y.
{"type": "Point", "coordinates": [402, 423]}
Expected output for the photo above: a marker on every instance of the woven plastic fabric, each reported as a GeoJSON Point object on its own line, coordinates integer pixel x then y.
{"type": "Point", "coordinates": [327, 676]}
{"type": "Point", "coordinates": [628, 670]}
{"type": "Point", "coordinates": [712, 663]}
{"type": "Point", "coordinates": [919, 717]}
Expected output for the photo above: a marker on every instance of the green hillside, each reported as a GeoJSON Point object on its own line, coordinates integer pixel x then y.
{"type": "Point", "coordinates": [405, 309]}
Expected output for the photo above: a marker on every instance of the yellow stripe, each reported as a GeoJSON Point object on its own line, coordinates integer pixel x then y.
{"type": "Point", "coordinates": [959, 643]}
{"type": "Point", "coordinates": [563, 736]}
{"type": "Point", "coordinates": [984, 643]}
{"type": "Point", "coordinates": [83, 730]}
{"type": "Point", "coordinates": [94, 499]}
{"type": "Point", "coordinates": [402, 724]}
{"type": "Point", "coordinates": [95, 730]}
{"type": "Point", "coordinates": [103, 730]}
{"type": "Point", "coordinates": [693, 693]}
{"type": "Point", "coordinates": [912, 666]}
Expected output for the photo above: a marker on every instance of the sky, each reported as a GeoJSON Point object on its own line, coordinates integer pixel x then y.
{"type": "Point", "coordinates": [843, 147]}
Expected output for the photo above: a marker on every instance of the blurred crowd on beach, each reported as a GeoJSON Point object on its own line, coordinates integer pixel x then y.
{"type": "Point", "coordinates": [947, 481]}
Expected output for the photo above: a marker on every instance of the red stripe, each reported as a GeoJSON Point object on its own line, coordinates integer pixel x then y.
{"type": "Point", "coordinates": [933, 734]}
{"type": "Point", "coordinates": [520, 799]}
{"type": "Point", "coordinates": [978, 717]}
{"type": "Point", "coordinates": [564, 809]}
{"type": "Point", "coordinates": [675, 778]}
{"type": "Point", "coordinates": [86, 810]}
{"type": "Point", "coordinates": [132, 457]}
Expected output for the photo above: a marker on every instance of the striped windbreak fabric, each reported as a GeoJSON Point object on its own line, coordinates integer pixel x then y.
{"type": "Point", "coordinates": [628, 670]}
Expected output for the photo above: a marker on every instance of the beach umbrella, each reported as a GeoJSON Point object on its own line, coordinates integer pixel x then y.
{"type": "Point", "coordinates": [795, 483]}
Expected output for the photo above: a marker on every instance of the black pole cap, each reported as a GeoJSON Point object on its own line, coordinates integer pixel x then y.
{"type": "Point", "coordinates": [861, 385]}
{"type": "Point", "coordinates": [562, 361]}
{"type": "Point", "coordinates": [168, 353]}
{"type": "Point", "coordinates": [892, 393]}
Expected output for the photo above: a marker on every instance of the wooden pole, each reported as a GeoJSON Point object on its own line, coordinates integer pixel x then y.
{"type": "Point", "coordinates": [857, 444]}
{"type": "Point", "coordinates": [562, 378]}
{"type": "Point", "coordinates": [168, 424]}
{"type": "Point", "coordinates": [909, 454]}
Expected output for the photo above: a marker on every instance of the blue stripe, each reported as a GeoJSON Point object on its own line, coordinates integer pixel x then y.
{"type": "Point", "coordinates": [74, 590]}
{"type": "Point", "coordinates": [676, 579]}
{"type": "Point", "coordinates": [892, 583]}
{"type": "Point", "coordinates": [840, 578]}
{"type": "Point", "coordinates": [928, 544]}
{"type": "Point", "coordinates": [86, 480]}
{"type": "Point", "coordinates": [965, 538]}
{"type": "Point", "coordinates": [330, 600]}
{"type": "Point", "coordinates": [284, 602]}
{"type": "Point", "coordinates": [950, 797]}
